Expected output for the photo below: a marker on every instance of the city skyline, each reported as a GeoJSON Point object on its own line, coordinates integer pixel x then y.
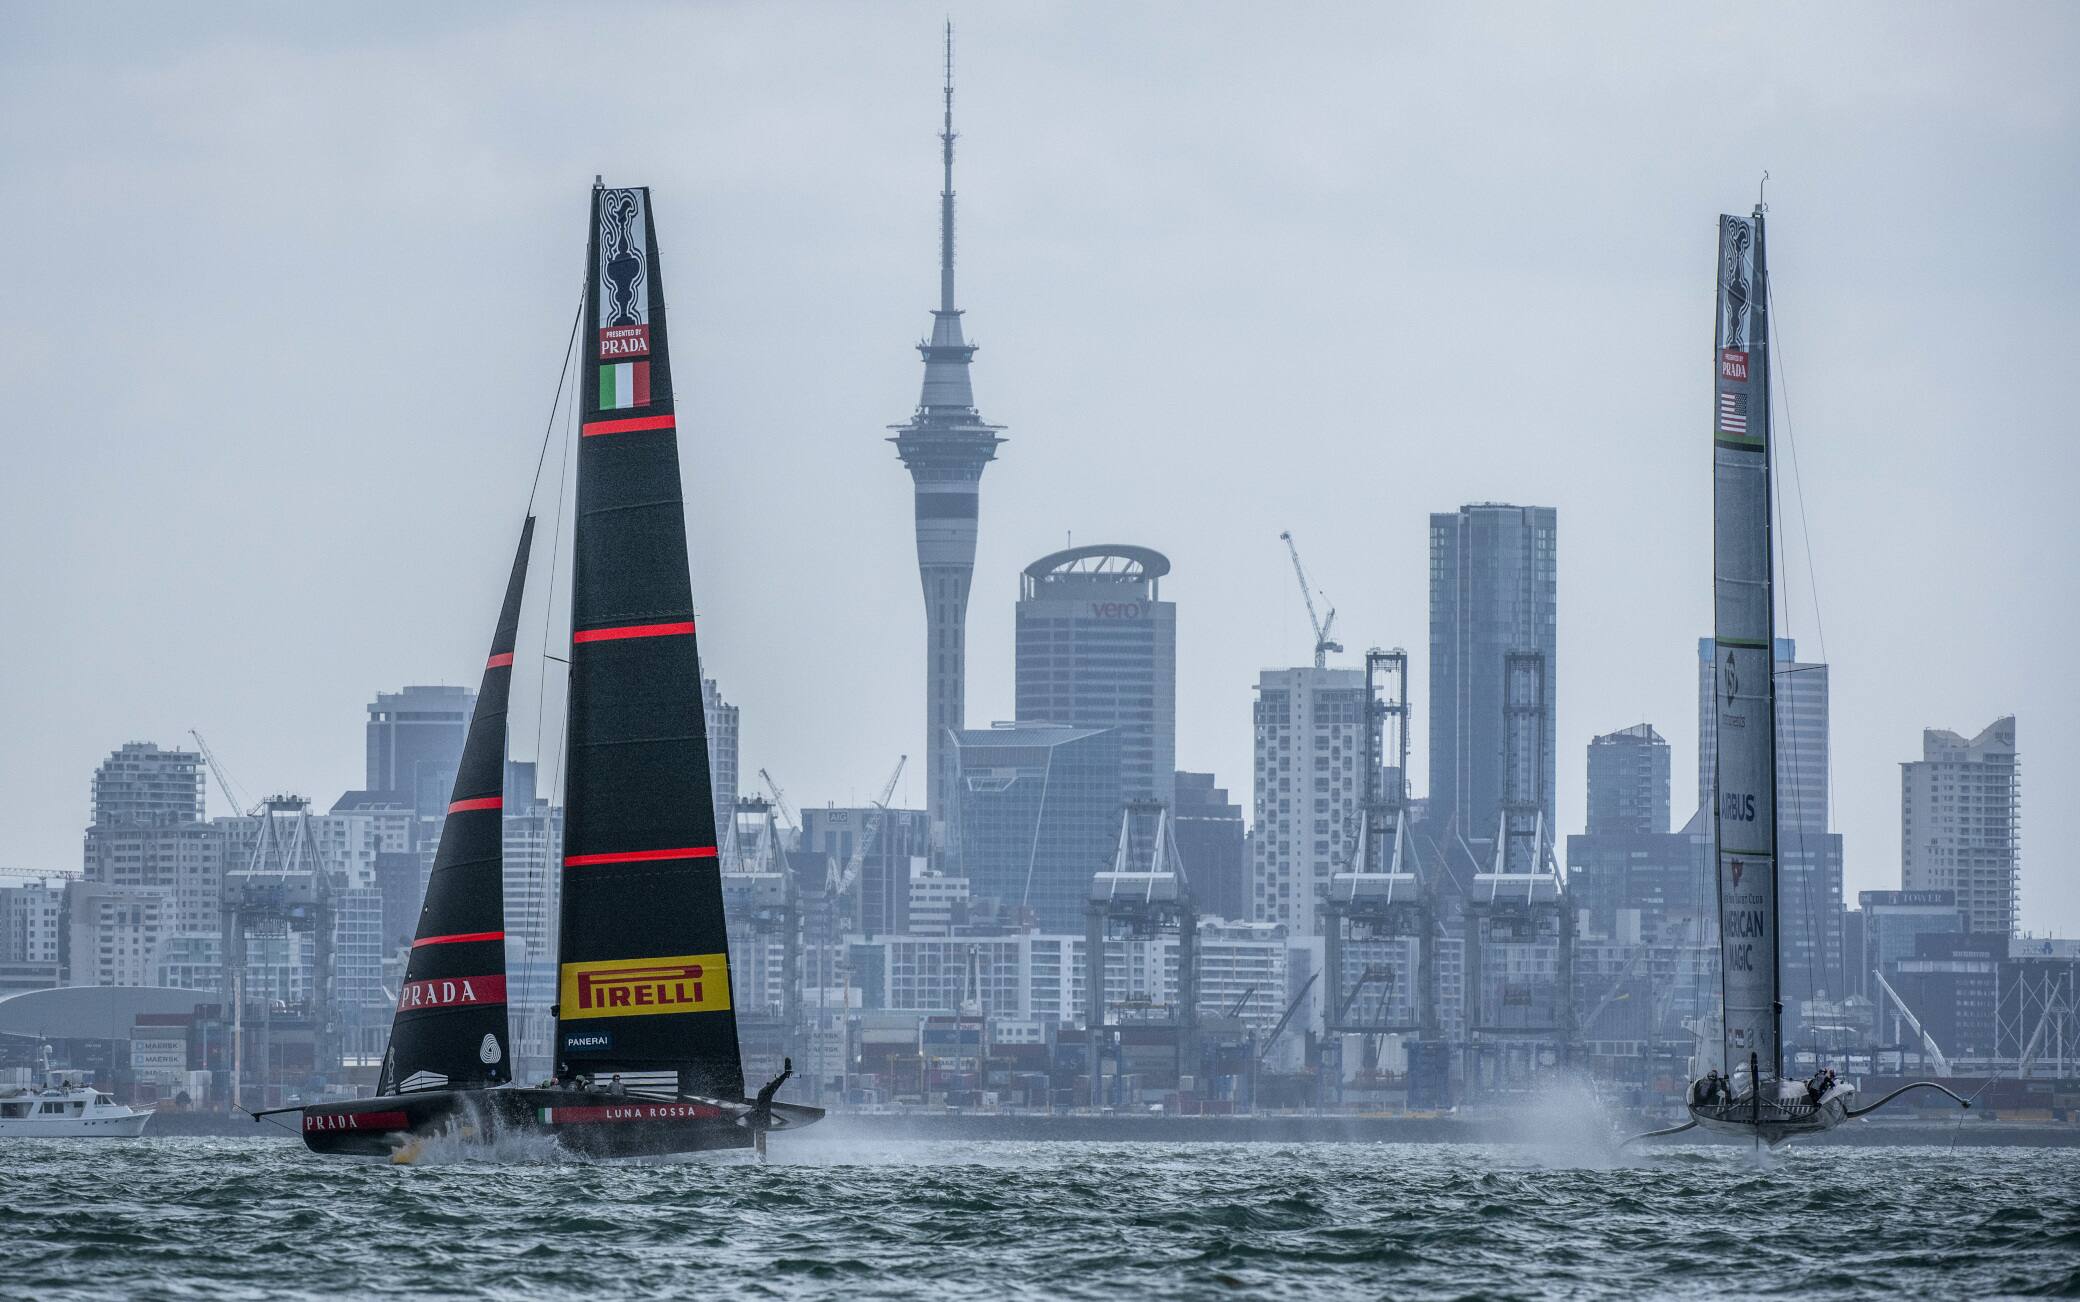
{"type": "Point", "coordinates": [783, 470]}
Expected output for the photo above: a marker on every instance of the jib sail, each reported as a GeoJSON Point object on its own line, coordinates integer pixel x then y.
{"type": "Point", "coordinates": [1743, 632]}
{"type": "Point", "coordinates": [643, 986]}
{"type": "Point", "coordinates": [451, 1029]}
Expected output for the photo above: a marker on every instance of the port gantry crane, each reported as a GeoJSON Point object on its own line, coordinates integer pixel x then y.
{"type": "Point", "coordinates": [1323, 643]}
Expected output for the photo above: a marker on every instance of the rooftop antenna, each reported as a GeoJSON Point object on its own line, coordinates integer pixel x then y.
{"type": "Point", "coordinates": [946, 194]}
{"type": "Point", "coordinates": [1760, 204]}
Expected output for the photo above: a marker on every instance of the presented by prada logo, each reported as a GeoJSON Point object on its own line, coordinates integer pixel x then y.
{"type": "Point", "coordinates": [643, 987]}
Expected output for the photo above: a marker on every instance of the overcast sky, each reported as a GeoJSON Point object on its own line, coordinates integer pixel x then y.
{"type": "Point", "coordinates": [287, 292]}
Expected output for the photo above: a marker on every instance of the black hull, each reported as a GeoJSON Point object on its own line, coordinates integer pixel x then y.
{"type": "Point", "coordinates": [587, 1123]}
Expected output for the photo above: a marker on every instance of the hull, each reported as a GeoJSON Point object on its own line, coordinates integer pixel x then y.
{"type": "Point", "coordinates": [117, 1127]}
{"type": "Point", "coordinates": [584, 1122]}
{"type": "Point", "coordinates": [1774, 1123]}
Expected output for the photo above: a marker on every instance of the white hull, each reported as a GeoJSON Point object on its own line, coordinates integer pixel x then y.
{"type": "Point", "coordinates": [1773, 1129]}
{"type": "Point", "coordinates": [68, 1111]}
{"type": "Point", "coordinates": [128, 1125]}
{"type": "Point", "coordinates": [1776, 1121]}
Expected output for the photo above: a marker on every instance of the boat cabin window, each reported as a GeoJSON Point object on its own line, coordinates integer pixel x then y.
{"type": "Point", "coordinates": [10, 1111]}
{"type": "Point", "coordinates": [104, 1100]}
{"type": "Point", "coordinates": [50, 1109]}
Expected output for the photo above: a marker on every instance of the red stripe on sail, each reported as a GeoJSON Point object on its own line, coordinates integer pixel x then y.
{"type": "Point", "coordinates": [460, 938]}
{"type": "Point", "coordinates": [499, 661]}
{"type": "Point", "coordinates": [639, 856]}
{"type": "Point", "coordinates": [629, 426]}
{"type": "Point", "coordinates": [632, 630]}
{"type": "Point", "coordinates": [481, 802]}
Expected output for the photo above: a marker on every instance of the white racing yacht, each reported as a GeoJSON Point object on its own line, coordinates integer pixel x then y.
{"type": "Point", "coordinates": [1752, 1100]}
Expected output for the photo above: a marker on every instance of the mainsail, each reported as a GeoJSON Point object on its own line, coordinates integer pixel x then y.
{"type": "Point", "coordinates": [643, 987]}
{"type": "Point", "coordinates": [451, 1028]}
{"type": "Point", "coordinates": [1743, 632]}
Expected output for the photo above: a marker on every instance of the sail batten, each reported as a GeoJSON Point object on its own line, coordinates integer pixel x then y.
{"type": "Point", "coordinates": [451, 1028]}
{"type": "Point", "coordinates": [1744, 637]}
{"type": "Point", "coordinates": [643, 974]}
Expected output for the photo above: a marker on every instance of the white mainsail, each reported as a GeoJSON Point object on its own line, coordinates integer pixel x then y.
{"type": "Point", "coordinates": [1744, 695]}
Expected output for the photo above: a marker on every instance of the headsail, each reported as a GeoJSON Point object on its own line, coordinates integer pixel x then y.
{"type": "Point", "coordinates": [451, 1028]}
{"type": "Point", "coordinates": [1744, 694]}
{"type": "Point", "coordinates": [643, 985]}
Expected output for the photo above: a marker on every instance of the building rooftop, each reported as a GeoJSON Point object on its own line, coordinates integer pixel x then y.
{"type": "Point", "coordinates": [1119, 561]}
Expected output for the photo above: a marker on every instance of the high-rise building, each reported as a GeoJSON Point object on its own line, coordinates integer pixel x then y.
{"type": "Point", "coordinates": [31, 944]}
{"type": "Point", "coordinates": [533, 850]}
{"type": "Point", "coordinates": [184, 859]}
{"type": "Point", "coordinates": [1635, 881]}
{"type": "Point", "coordinates": [1960, 806]}
{"type": "Point", "coordinates": [1310, 746]}
{"type": "Point", "coordinates": [1892, 920]}
{"type": "Point", "coordinates": [1802, 737]}
{"type": "Point", "coordinates": [1097, 648]}
{"type": "Point", "coordinates": [414, 747]}
{"type": "Point", "coordinates": [1493, 585]}
{"type": "Point", "coordinates": [147, 909]}
{"type": "Point", "coordinates": [142, 786]}
{"type": "Point", "coordinates": [722, 750]}
{"type": "Point", "coordinates": [1040, 814]}
{"type": "Point", "coordinates": [1213, 846]}
{"type": "Point", "coordinates": [945, 445]}
{"type": "Point", "coordinates": [878, 900]}
{"type": "Point", "coordinates": [1628, 782]}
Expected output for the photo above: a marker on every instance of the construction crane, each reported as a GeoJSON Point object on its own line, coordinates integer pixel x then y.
{"type": "Point", "coordinates": [1236, 1009]}
{"type": "Point", "coordinates": [1323, 643]}
{"type": "Point", "coordinates": [1294, 1007]}
{"type": "Point", "coordinates": [780, 802]}
{"type": "Point", "coordinates": [238, 804]}
{"type": "Point", "coordinates": [867, 834]}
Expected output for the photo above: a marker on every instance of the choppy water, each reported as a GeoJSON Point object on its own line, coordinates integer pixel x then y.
{"type": "Point", "coordinates": [195, 1218]}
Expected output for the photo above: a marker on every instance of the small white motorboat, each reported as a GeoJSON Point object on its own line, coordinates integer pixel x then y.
{"type": "Point", "coordinates": [63, 1110]}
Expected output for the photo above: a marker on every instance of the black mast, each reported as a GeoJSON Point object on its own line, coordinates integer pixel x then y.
{"type": "Point", "coordinates": [643, 982]}
{"type": "Point", "coordinates": [451, 1029]}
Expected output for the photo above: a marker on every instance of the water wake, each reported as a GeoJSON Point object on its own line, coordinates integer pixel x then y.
{"type": "Point", "coordinates": [1566, 1124]}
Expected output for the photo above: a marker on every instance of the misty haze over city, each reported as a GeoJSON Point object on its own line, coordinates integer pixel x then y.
{"type": "Point", "coordinates": [1326, 272]}
{"type": "Point", "coordinates": [1143, 636]}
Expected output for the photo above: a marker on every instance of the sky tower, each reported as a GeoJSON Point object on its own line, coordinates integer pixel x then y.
{"type": "Point", "coordinates": [945, 445]}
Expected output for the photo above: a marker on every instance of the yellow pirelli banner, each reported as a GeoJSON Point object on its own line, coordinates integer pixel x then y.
{"type": "Point", "coordinates": [642, 987]}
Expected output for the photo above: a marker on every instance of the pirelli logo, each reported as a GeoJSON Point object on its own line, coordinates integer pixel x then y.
{"type": "Point", "coordinates": [641, 987]}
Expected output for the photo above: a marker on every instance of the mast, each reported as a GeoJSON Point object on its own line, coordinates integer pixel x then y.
{"type": "Point", "coordinates": [1744, 824]}
{"type": "Point", "coordinates": [643, 988]}
{"type": "Point", "coordinates": [452, 1029]}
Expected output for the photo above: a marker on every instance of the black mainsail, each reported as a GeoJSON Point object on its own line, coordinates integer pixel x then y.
{"type": "Point", "coordinates": [643, 988]}
{"type": "Point", "coordinates": [646, 1039]}
{"type": "Point", "coordinates": [1744, 818]}
{"type": "Point", "coordinates": [451, 1029]}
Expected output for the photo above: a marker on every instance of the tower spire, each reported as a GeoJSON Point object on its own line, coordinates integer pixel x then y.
{"type": "Point", "coordinates": [945, 445]}
{"type": "Point", "coordinates": [946, 191]}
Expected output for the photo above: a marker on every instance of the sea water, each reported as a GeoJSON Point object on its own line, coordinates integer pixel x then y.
{"type": "Point", "coordinates": [833, 1214]}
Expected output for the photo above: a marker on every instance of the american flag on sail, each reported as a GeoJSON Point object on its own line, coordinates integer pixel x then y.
{"type": "Point", "coordinates": [1733, 412]}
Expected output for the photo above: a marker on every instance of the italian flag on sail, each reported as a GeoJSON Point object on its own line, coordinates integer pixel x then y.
{"type": "Point", "coordinates": [624, 384]}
